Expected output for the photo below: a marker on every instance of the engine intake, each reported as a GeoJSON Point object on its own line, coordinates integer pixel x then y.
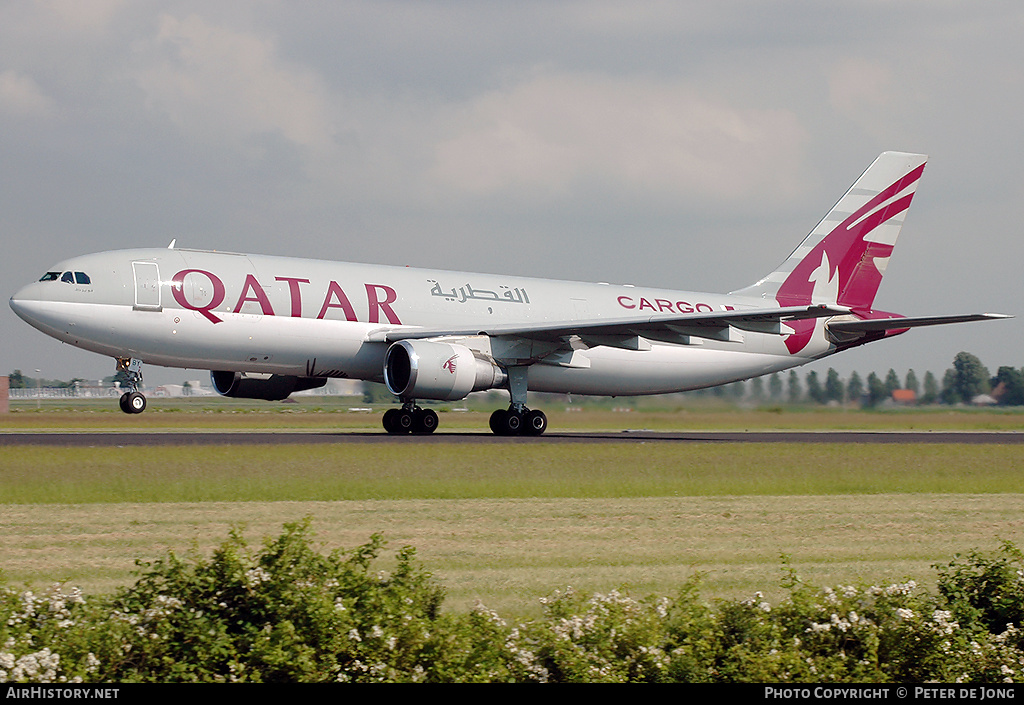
{"type": "Point", "coordinates": [269, 387]}
{"type": "Point", "coordinates": [443, 371]}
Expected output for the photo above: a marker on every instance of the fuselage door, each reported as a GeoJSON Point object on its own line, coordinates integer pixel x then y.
{"type": "Point", "coordinates": [580, 309]}
{"type": "Point", "coordinates": [147, 286]}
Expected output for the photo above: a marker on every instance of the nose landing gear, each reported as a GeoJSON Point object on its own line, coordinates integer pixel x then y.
{"type": "Point", "coordinates": [132, 401]}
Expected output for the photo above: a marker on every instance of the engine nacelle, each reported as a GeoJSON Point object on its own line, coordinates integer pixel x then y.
{"type": "Point", "coordinates": [423, 369]}
{"type": "Point", "coordinates": [269, 387]}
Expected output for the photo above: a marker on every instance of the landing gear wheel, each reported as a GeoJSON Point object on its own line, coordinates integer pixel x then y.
{"type": "Point", "coordinates": [497, 418]}
{"type": "Point", "coordinates": [513, 423]}
{"type": "Point", "coordinates": [506, 423]}
{"type": "Point", "coordinates": [403, 421]}
{"type": "Point", "coordinates": [534, 423]}
{"type": "Point", "coordinates": [388, 420]}
{"type": "Point", "coordinates": [132, 403]}
{"type": "Point", "coordinates": [424, 421]}
{"type": "Point", "coordinates": [509, 422]}
{"type": "Point", "coordinates": [410, 419]}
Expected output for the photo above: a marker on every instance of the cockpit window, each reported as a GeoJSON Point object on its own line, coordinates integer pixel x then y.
{"type": "Point", "coordinates": [68, 277]}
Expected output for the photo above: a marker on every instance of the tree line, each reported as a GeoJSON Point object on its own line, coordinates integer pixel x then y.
{"type": "Point", "coordinates": [18, 380]}
{"type": "Point", "coordinates": [968, 381]}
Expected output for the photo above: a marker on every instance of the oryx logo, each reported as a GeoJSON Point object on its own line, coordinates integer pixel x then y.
{"type": "Point", "coordinates": [846, 266]}
{"type": "Point", "coordinates": [449, 364]}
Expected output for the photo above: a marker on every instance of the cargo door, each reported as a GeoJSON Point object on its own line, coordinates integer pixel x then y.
{"type": "Point", "coordinates": [147, 286]}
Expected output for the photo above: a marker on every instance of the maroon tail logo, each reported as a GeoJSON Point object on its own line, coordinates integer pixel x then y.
{"type": "Point", "coordinates": [449, 364]}
{"type": "Point", "coordinates": [843, 262]}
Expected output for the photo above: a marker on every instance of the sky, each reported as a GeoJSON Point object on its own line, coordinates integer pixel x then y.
{"type": "Point", "coordinates": [685, 145]}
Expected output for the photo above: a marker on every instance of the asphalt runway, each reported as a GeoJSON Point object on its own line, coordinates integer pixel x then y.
{"type": "Point", "coordinates": [117, 438]}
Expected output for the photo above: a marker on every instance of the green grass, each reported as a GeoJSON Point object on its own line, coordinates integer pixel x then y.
{"type": "Point", "coordinates": [510, 552]}
{"type": "Point", "coordinates": [333, 413]}
{"type": "Point", "coordinates": [241, 473]}
{"type": "Point", "coordinates": [509, 523]}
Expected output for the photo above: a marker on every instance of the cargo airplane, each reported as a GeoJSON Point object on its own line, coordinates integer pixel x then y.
{"type": "Point", "coordinates": [270, 326]}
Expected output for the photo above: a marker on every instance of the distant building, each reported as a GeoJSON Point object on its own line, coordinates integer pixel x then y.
{"type": "Point", "coordinates": [905, 397]}
{"type": "Point", "coordinates": [984, 400]}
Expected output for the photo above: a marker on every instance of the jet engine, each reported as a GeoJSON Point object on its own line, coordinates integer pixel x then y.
{"type": "Point", "coordinates": [430, 370]}
{"type": "Point", "coordinates": [257, 386]}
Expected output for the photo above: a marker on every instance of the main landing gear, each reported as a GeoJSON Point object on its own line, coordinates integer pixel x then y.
{"type": "Point", "coordinates": [410, 419]}
{"type": "Point", "coordinates": [513, 422]}
{"type": "Point", "coordinates": [517, 420]}
{"type": "Point", "coordinates": [132, 401]}
{"type": "Point", "coordinates": [504, 422]}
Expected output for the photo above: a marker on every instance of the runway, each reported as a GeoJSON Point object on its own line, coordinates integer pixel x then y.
{"type": "Point", "coordinates": [85, 439]}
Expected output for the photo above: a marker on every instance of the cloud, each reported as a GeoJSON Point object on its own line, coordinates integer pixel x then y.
{"type": "Point", "coordinates": [82, 16]}
{"type": "Point", "coordinates": [20, 96]}
{"type": "Point", "coordinates": [222, 85]}
{"type": "Point", "coordinates": [858, 87]}
{"type": "Point", "coordinates": [551, 134]}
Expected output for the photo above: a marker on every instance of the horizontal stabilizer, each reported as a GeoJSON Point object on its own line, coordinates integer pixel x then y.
{"type": "Point", "coordinates": [884, 324]}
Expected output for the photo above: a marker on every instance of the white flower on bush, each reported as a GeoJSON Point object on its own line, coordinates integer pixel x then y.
{"type": "Point", "coordinates": [38, 667]}
{"type": "Point", "coordinates": [758, 602]}
{"type": "Point", "coordinates": [489, 615]}
{"type": "Point", "coordinates": [901, 588]}
{"type": "Point", "coordinates": [163, 606]}
{"type": "Point", "coordinates": [255, 576]}
{"type": "Point", "coordinates": [943, 622]}
{"type": "Point", "coordinates": [1010, 634]}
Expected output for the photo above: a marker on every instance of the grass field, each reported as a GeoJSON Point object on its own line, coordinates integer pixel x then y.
{"type": "Point", "coordinates": [508, 524]}
{"type": "Point", "coordinates": [659, 413]}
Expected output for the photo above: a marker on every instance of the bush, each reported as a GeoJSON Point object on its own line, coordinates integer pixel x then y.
{"type": "Point", "coordinates": [284, 614]}
{"type": "Point", "coordinates": [47, 638]}
{"type": "Point", "coordinates": [986, 589]}
{"type": "Point", "coordinates": [287, 613]}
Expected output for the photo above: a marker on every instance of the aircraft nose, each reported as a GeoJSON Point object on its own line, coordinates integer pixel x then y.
{"type": "Point", "coordinates": [23, 302]}
{"type": "Point", "coordinates": [17, 302]}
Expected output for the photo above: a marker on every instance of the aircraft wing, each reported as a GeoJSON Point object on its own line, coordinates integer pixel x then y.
{"type": "Point", "coordinates": [884, 324]}
{"type": "Point", "coordinates": [626, 332]}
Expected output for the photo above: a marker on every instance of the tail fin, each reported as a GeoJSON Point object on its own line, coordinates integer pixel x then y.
{"type": "Point", "coordinates": [843, 259]}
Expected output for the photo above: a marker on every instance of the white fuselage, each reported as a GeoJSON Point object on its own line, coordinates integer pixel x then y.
{"type": "Point", "coordinates": [312, 318]}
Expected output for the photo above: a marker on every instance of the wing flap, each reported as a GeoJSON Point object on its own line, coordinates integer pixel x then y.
{"type": "Point", "coordinates": [713, 325]}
